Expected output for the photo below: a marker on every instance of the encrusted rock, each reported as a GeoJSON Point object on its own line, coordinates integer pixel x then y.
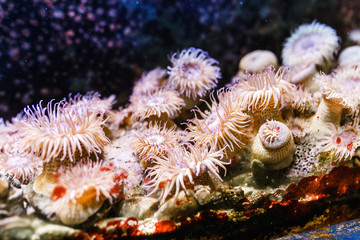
{"type": "Point", "coordinates": [38, 201]}
{"type": "Point", "coordinates": [4, 188]}
{"type": "Point", "coordinates": [11, 201]}
{"type": "Point", "coordinates": [139, 207]}
{"type": "Point", "coordinates": [32, 228]}
{"type": "Point", "coordinates": [184, 205]}
{"type": "Point", "coordinates": [202, 194]}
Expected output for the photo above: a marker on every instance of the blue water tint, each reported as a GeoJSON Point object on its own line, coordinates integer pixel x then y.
{"type": "Point", "coordinates": [343, 231]}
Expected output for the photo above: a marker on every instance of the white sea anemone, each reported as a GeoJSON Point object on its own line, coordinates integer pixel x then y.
{"type": "Point", "coordinates": [81, 191]}
{"type": "Point", "coordinates": [223, 125]}
{"type": "Point", "coordinates": [313, 43]}
{"type": "Point", "coordinates": [193, 73]}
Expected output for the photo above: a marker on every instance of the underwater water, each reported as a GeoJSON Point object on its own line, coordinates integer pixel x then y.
{"type": "Point", "coordinates": [178, 119]}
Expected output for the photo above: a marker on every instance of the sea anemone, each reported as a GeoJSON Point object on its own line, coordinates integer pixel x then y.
{"type": "Point", "coordinates": [120, 118]}
{"type": "Point", "coordinates": [61, 138]}
{"type": "Point", "coordinates": [150, 82]}
{"type": "Point", "coordinates": [349, 76]}
{"type": "Point", "coordinates": [204, 159]}
{"type": "Point", "coordinates": [224, 125]}
{"type": "Point", "coordinates": [354, 36]}
{"type": "Point", "coordinates": [184, 169]}
{"type": "Point", "coordinates": [169, 173]}
{"type": "Point", "coordinates": [337, 94]}
{"type": "Point", "coordinates": [341, 142]}
{"type": "Point", "coordinates": [81, 191]}
{"type": "Point", "coordinates": [263, 94]}
{"type": "Point", "coordinates": [21, 164]}
{"type": "Point", "coordinates": [303, 75]}
{"type": "Point", "coordinates": [53, 133]}
{"type": "Point", "coordinates": [257, 60]}
{"type": "Point", "coordinates": [298, 127]}
{"type": "Point", "coordinates": [303, 102]}
{"type": "Point", "coordinates": [313, 43]}
{"type": "Point", "coordinates": [274, 145]}
{"type": "Point", "coordinates": [6, 130]}
{"type": "Point", "coordinates": [193, 73]}
{"type": "Point", "coordinates": [89, 103]}
{"type": "Point", "coordinates": [154, 140]}
{"type": "Point", "coordinates": [350, 56]}
{"type": "Point", "coordinates": [160, 105]}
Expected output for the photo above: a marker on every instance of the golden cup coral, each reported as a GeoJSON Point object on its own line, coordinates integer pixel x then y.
{"type": "Point", "coordinates": [193, 73]}
{"type": "Point", "coordinates": [263, 94]}
{"type": "Point", "coordinates": [81, 191]}
{"type": "Point", "coordinates": [61, 137]}
{"type": "Point", "coordinates": [223, 126]}
{"type": "Point", "coordinates": [274, 145]}
{"type": "Point", "coordinates": [313, 43]}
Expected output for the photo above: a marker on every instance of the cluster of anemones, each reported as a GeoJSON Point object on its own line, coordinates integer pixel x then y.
{"type": "Point", "coordinates": [59, 134]}
{"type": "Point", "coordinates": [263, 112]}
{"type": "Point", "coordinates": [163, 149]}
{"type": "Point", "coordinates": [61, 142]}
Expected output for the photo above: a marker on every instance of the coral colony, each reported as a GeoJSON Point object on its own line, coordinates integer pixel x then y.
{"type": "Point", "coordinates": [140, 168]}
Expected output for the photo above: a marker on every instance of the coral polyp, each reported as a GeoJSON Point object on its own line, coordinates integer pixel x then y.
{"type": "Point", "coordinates": [223, 125]}
{"type": "Point", "coordinates": [193, 73]}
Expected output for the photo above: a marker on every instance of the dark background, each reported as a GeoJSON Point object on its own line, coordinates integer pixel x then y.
{"type": "Point", "coordinates": [50, 48]}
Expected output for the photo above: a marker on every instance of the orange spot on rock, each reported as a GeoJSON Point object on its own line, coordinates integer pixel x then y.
{"type": "Point", "coordinates": [165, 226]}
{"type": "Point", "coordinates": [349, 146]}
{"type": "Point", "coordinates": [338, 140]}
